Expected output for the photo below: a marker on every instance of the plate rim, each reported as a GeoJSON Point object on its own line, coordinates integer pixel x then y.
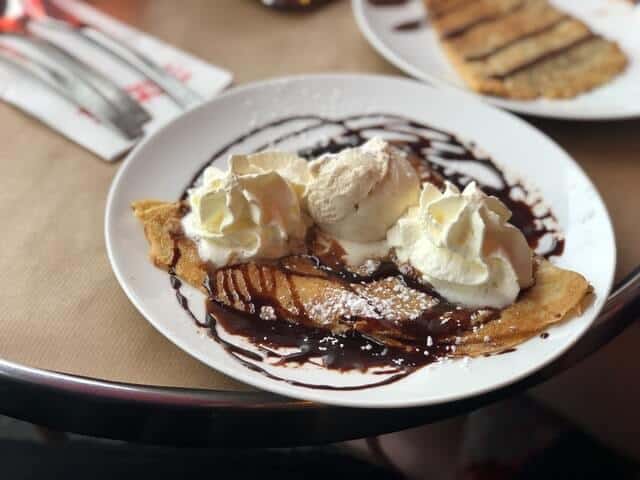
{"type": "Point", "coordinates": [358, 8]}
{"type": "Point", "coordinates": [281, 388]}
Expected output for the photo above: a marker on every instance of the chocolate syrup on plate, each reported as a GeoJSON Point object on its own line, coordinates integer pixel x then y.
{"type": "Point", "coordinates": [437, 156]}
{"type": "Point", "coordinates": [410, 25]}
{"type": "Point", "coordinates": [475, 57]}
{"type": "Point", "coordinates": [295, 5]}
{"type": "Point", "coordinates": [460, 30]}
{"type": "Point", "coordinates": [388, 3]}
{"type": "Point", "coordinates": [543, 57]}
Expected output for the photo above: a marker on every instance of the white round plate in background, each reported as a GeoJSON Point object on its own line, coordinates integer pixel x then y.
{"type": "Point", "coordinates": [418, 53]}
{"type": "Point", "coordinates": [162, 165]}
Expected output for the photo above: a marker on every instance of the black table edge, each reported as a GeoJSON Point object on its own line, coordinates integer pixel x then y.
{"type": "Point", "coordinates": [192, 417]}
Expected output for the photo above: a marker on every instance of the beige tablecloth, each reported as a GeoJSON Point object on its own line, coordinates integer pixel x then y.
{"type": "Point", "coordinates": [62, 308]}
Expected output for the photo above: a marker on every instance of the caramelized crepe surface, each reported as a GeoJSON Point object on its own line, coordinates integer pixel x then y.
{"type": "Point", "coordinates": [385, 309]}
{"type": "Point", "coordinates": [523, 49]}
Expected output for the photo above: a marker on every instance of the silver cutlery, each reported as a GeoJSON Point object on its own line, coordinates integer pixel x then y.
{"type": "Point", "coordinates": [66, 84]}
{"type": "Point", "coordinates": [55, 58]}
{"type": "Point", "coordinates": [182, 95]}
{"type": "Point", "coordinates": [66, 75]}
{"type": "Point", "coordinates": [33, 38]}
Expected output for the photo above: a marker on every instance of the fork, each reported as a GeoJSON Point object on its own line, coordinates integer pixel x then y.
{"type": "Point", "coordinates": [72, 89]}
{"type": "Point", "coordinates": [124, 112]}
{"type": "Point", "coordinates": [13, 26]}
{"type": "Point", "coordinates": [50, 17]}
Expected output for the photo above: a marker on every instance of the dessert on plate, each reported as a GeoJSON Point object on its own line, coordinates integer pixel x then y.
{"type": "Point", "coordinates": [362, 258]}
{"type": "Point", "coordinates": [523, 49]}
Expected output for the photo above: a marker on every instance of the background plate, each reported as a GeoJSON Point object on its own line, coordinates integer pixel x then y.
{"type": "Point", "coordinates": [162, 166]}
{"type": "Point", "coordinates": [418, 53]}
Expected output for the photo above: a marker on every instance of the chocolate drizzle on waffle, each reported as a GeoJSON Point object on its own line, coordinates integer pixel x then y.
{"type": "Point", "coordinates": [388, 3]}
{"type": "Point", "coordinates": [543, 57]}
{"type": "Point", "coordinates": [410, 25]}
{"type": "Point", "coordinates": [246, 300]}
{"type": "Point", "coordinates": [478, 57]}
{"type": "Point", "coordinates": [523, 49]}
{"type": "Point", "coordinates": [450, 8]}
{"type": "Point", "coordinates": [488, 18]}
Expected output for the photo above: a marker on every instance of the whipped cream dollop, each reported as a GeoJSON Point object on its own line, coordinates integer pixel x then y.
{"type": "Point", "coordinates": [356, 195]}
{"type": "Point", "coordinates": [253, 210]}
{"type": "Point", "coordinates": [462, 244]}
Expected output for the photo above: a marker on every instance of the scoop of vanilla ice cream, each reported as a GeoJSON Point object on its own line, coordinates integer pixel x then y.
{"type": "Point", "coordinates": [252, 210]}
{"type": "Point", "coordinates": [464, 246]}
{"type": "Point", "coordinates": [289, 165]}
{"type": "Point", "coordinates": [359, 193]}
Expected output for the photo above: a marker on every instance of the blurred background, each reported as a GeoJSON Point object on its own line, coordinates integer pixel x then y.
{"type": "Point", "coordinates": [582, 424]}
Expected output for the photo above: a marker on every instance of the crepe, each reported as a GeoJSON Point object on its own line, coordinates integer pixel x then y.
{"type": "Point", "coordinates": [523, 49]}
{"type": "Point", "coordinates": [328, 304]}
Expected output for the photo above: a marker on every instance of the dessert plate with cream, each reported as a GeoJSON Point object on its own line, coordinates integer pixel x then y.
{"type": "Point", "coordinates": [551, 58]}
{"type": "Point", "coordinates": [355, 240]}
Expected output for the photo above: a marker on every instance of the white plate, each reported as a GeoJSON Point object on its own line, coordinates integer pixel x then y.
{"type": "Point", "coordinates": [418, 53]}
{"type": "Point", "coordinates": [162, 165]}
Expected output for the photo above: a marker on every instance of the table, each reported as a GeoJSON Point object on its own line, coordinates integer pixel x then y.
{"type": "Point", "coordinates": [64, 311]}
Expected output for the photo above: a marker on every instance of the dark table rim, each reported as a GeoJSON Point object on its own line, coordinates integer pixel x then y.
{"type": "Point", "coordinates": [199, 417]}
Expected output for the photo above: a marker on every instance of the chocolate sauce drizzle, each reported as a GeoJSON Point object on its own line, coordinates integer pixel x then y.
{"type": "Point", "coordinates": [488, 18]}
{"type": "Point", "coordinates": [461, 30]}
{"type": "Point", "coordinates": [388, 3]}
{"type": "Point", "coordinates": [476, 57]}
{"type": "Point", "coordinates": [450, 8]}
{"type": "Point", "coordinates": [294, 5]}
{"type": "Point", "coordinates": [437, 156]}
{"type": "Point", "coordinates": [543, 57]}
{"type": "Point", "coordinates": [176, 284]}
{"type": "Point", "coordinates": [410, 25]}
{"type": "Point", "coordinates": [433, 13]}
{"type": "Point", "coordinates": [293, 328]}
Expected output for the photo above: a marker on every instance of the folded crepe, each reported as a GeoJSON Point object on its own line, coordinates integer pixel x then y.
{"type": "Point", "coordinates": [523, 49]}
{"type": "Point", "coordinates": [339, 307]}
